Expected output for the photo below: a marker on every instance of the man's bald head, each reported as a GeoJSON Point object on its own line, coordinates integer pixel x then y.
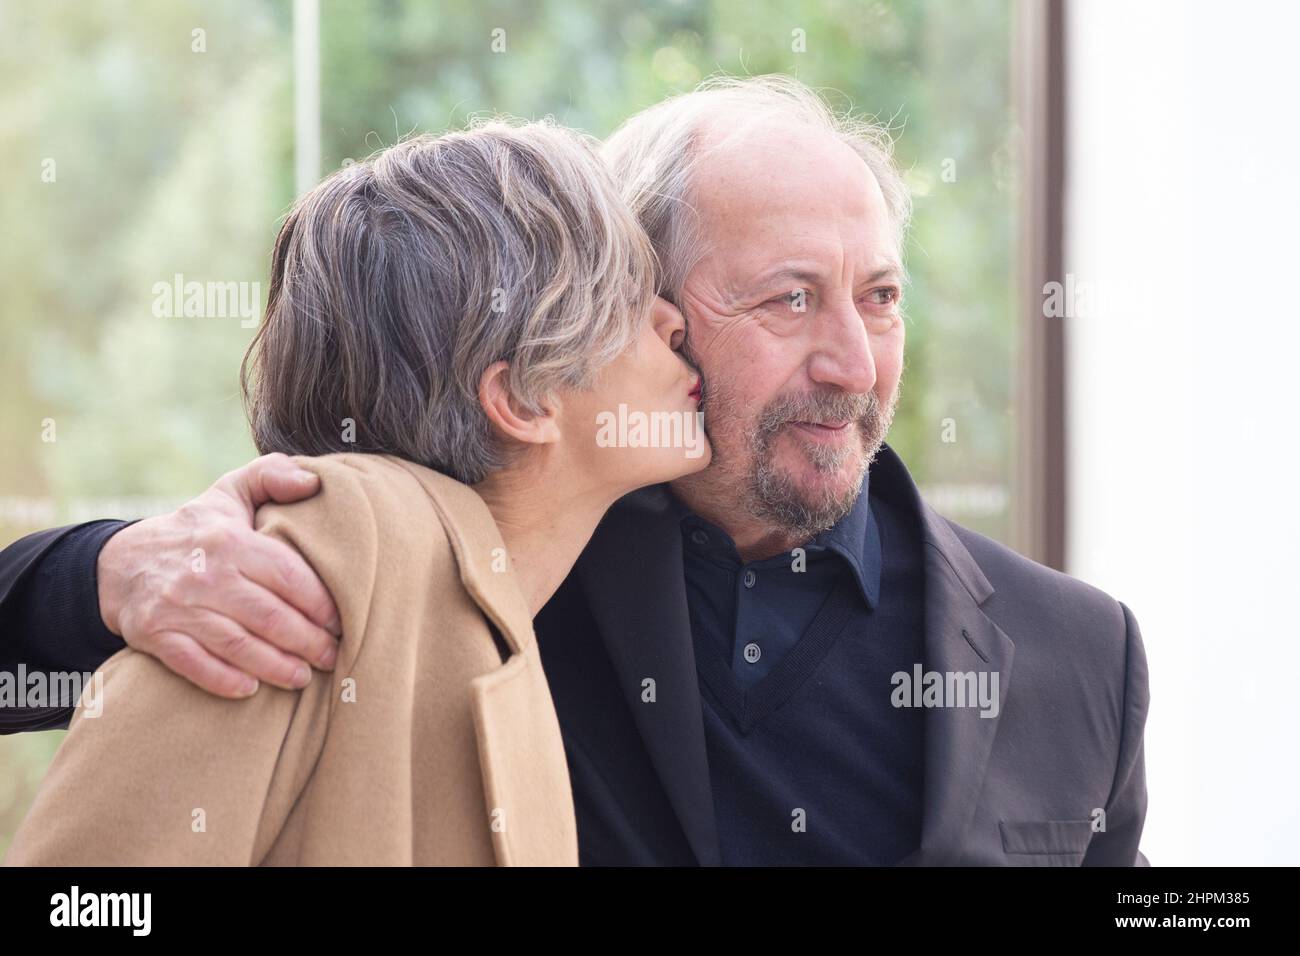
{"type": "Point", "coordinates": [657, 154]}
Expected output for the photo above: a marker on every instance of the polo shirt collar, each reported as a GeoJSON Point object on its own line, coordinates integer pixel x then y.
{"type": "Point", "coordinates": [855, 538]}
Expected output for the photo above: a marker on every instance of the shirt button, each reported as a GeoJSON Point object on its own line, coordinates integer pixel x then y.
{"type": "Point", "coordinates": [750, 578]}
{"type": "Point", "coordinates": [753, 652]}
{"type": "Point", "coordinates": [699, 537]}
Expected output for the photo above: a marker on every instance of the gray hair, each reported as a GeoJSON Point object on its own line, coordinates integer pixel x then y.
{"type": "Point", "coordinates": [654, 154]}
{"type": "Point", "coordinates": [398, 280]}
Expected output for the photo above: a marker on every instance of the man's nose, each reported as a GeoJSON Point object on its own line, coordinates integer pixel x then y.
{"type": "Point", "coordinates": [842, 355]}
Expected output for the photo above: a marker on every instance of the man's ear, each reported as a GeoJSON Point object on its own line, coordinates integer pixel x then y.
{"type": "Point", "coordinates": [511, 417]}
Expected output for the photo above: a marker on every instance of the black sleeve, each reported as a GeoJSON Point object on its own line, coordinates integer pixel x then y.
{"type": "Point", "coordinates": [49, 616]}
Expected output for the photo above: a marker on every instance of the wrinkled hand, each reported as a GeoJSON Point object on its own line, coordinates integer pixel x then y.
{"type": "Point", "coordinates": [218, 603]}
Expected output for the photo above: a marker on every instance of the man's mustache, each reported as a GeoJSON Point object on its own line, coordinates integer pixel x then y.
{"type": "Point", "coordinates": [820, 407]}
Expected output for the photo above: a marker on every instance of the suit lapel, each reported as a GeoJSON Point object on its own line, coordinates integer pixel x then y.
{"type": "Point", "coordinates": [633, 579]}
{"type": "Point", "coordinates": [959, 638]}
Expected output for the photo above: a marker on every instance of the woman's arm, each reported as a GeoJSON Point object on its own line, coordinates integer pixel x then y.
{"type": "Point", "coordinates": [156, 771]}
{"type": "Point", "coordinates": [167, 774]}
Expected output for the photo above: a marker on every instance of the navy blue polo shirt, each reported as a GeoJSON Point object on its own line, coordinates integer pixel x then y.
{"type": "Point", "coordinates": [809, 761]}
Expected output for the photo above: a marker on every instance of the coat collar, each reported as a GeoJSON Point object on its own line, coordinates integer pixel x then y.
{"type": "Point", "coordinates": [480, 554]}
{"type": "Point", "coordinates": [855, 538]}
{"type": "Point", "coordinates": [633, 578]}
{"type": "Point", "coordinates": [517, 733]}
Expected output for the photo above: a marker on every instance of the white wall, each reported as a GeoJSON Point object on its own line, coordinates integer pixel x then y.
{"type": "Point", "coordinates": [1183, 205]}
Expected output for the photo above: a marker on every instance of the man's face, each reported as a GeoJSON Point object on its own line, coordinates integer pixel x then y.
{"type": "Point", "coordinates": [794, 321]}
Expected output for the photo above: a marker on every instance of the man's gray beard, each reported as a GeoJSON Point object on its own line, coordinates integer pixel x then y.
{"type": "Point", "coordinates": [774, 497]}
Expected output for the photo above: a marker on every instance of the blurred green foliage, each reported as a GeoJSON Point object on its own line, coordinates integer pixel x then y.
{"type": "Point", "coordinates": [168, 159]}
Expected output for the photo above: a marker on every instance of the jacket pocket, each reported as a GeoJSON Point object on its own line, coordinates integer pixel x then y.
{"type": "Point", "coordinates": [1047, 838]}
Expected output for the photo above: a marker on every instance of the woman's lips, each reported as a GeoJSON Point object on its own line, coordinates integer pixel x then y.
{"type": "Point", "coordinates": [696, 389]}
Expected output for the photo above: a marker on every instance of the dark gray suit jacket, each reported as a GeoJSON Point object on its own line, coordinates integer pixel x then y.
{"type": "Point", "coordinates": [1027, 787]}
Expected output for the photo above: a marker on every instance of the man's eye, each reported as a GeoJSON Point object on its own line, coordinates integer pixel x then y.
{"type": "Point", "coordinates": [884, 296]}
{"type": "Point", "coordinates": [796, 300]}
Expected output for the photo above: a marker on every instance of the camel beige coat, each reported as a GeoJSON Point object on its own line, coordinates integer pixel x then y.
{"type": "Point", "coordinates": [422, 747]}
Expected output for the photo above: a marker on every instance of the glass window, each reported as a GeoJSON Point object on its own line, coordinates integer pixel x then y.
{"type": "Point", "coordinates": [148, 152]}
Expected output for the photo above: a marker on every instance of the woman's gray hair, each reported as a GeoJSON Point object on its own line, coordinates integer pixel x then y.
{"type": "Point", "coordinates": [654, 154]}
{"type": "Point", "coordinates": [398, 280]}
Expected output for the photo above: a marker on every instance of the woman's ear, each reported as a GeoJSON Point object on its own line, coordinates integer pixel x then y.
{"type": "Point", "coordinates": [669, 324]}
{"type": "Point", "coordinates": [510, 416]}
